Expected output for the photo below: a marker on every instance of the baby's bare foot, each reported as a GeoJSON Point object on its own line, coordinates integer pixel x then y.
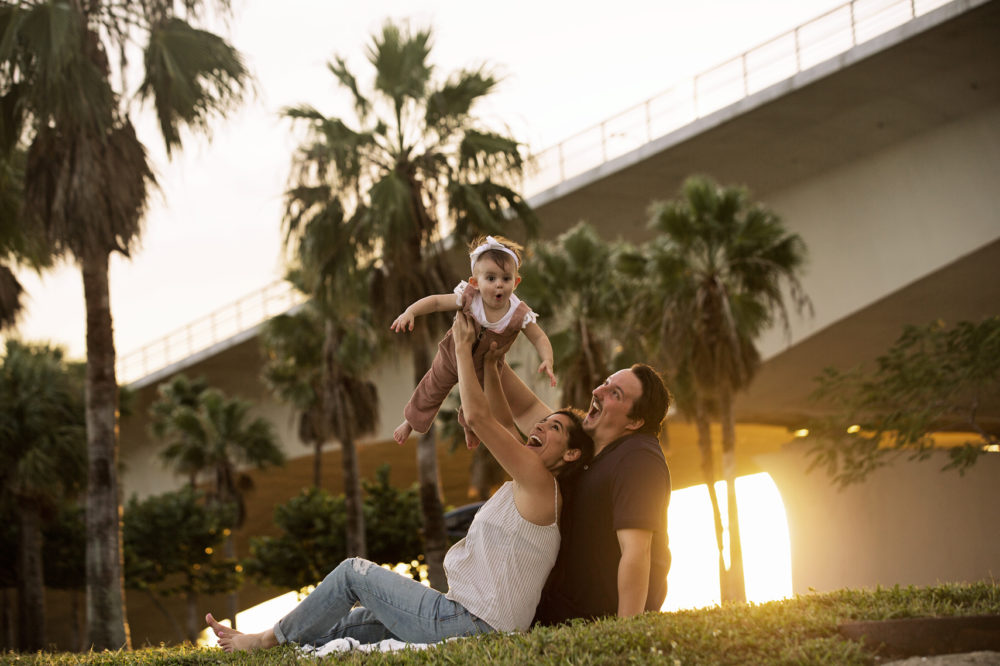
{"type": "Point", "coordinates": [402, 432]}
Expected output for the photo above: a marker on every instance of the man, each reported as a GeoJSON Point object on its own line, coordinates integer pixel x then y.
{"type": "Point", "coordinates": [614, 557]}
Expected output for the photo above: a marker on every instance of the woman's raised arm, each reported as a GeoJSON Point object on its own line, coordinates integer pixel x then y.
{"type": "Point", "coordinates": [524, 466]}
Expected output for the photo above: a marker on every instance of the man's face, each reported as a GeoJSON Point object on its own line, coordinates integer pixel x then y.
{"type": "Point", "coordinates": [608, 416]}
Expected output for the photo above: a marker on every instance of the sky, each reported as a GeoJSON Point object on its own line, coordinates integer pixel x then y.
{"type": "Point", "coordinates": [213, 231]}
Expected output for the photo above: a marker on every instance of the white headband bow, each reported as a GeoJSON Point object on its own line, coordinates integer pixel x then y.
{"type": "Point", "coordinates": [492, 244]}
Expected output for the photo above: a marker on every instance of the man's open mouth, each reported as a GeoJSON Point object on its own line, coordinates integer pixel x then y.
{"type": "Point", "coordinates": [595, 408]}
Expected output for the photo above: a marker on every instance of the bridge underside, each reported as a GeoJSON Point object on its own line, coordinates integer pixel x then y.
{"type": "Point", "coordinates": [871, 99]}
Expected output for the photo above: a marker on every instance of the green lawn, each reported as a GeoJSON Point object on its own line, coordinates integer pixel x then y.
{"type": "Point", "coordinates": [794, 631]}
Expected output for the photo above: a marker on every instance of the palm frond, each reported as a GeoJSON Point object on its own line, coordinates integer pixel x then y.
{"type": "Point", "coordinates": [191, 75]}
{"type": "Point", "coordinates": [449, 106]}
{"type": "Point", "coordinates": [88, 192]}
{"type": "Point", "coordinates": [400, 60]}
{"type": "Point", "coordinates": [10, 297]}
{"type": "Point", "coordinates": [361, 104]}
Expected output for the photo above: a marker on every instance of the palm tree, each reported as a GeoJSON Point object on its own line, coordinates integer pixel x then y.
{"type": "Point", "coordinates": [574, 286]}
{"type": "Point", "coordinates": [719, 267]}
{"type": "Point", "coordinates": [186, 457]}
{"type": "Point", "coordinates": [414, 173]}
{"type": "Point", "coordinates": [293, 355]}
{"type": "Point", "coordinates": [42, 460]}
{"type": "Point", "coordinates": [316, 361]}
{"type": "Point", "coordinates": [18, 244]}
{"type": "Point", "coordinates": [86, 183]}
{"type": "Point", "coordinates": [216, 434]}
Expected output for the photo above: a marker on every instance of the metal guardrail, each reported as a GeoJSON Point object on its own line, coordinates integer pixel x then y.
{"type": "Point", "coordinates": [222, 324]}
{"type": "Point", "coordinates": [777, 59]}
{"type": "Point", "coordinates": [780, 58]}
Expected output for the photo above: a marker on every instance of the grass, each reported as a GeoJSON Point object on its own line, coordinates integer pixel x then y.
{"type": "Point", "coordinates": [794, 631]}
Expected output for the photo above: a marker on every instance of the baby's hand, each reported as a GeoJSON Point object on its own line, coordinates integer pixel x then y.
{"type": "Point", "coordinates": [403, 322]}
{"type": "Point", "coordinates": [546, 367]}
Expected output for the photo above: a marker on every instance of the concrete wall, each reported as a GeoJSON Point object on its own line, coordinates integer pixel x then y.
{"type": "Point", "coordinates": [907, 524]}
{"type": "Point", "coordinates": [884, 221]}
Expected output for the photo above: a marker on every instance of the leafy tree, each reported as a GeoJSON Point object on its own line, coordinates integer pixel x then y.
{"type": "Point", "coordinates": [392, 520]}
{"type": "Point", "coordinates": [718, 269]}
{"type": "Point", "coordinates": [318, 358]}
{"type": "Point", "coordinates": [573, 283]}
{"type": "Point", "coordinates": [87, 180]}
{"type": "Point", "coordinates": [412, 170]}
{"type": "Point", "coordinates": [311, 545]}
{"type": "Point", "coordinates": [170, 542]}
{"type": "Point", "coordinates": [42, 461]}
{"type": "Point", "coordinates": [312, 540]}
{"type": "Point", "coordinates": [205, 430]}
{"type": "Point", "coordinates": [933, 379]}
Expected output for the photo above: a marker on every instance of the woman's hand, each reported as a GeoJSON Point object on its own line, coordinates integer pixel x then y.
{"type": "Point", "coordinates": [463, 330]}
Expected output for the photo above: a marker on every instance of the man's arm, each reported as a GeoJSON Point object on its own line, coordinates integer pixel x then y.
{"type": "Point", "coordinates": [524, 404]}
{"type": "Point", "coordinates": [633, 570]}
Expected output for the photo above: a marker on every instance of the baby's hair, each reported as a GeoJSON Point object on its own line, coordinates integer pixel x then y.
{"type": "Point", "coordinates": [499, 257]}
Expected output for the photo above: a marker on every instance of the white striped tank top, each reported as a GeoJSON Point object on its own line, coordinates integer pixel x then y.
{"type": "Point", "coordinates": [497, 571]}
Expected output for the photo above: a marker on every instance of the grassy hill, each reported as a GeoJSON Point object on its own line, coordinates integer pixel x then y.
{"type": "Point", "coordinates": [803, 630]}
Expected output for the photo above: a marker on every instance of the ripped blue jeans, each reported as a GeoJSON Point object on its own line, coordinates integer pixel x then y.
{"type": "Point", "coordinates": [391, 606]}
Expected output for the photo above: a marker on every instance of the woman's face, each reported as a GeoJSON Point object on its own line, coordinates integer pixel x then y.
{"type": "Point", "coordinates": [550, 440]}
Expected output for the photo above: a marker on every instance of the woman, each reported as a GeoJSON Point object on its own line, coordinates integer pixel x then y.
{"type": "Point", "coordinates": [495, 574]}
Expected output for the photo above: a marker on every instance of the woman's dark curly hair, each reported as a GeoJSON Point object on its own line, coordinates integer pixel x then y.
{"type": "Point", "coordinates": [578, 439]}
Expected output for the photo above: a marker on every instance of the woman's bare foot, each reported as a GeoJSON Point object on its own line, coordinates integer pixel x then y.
{"type": "Point", "coordinates": [232, 640]}
{"type": "Point", "coordinates": [402, 432]}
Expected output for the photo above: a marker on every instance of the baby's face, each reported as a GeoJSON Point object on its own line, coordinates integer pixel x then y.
{"type": "Point", "coordinates": [494, 282]}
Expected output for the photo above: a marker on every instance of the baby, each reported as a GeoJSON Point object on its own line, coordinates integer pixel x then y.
{"type": "Point", "coordinates": [488, 297]}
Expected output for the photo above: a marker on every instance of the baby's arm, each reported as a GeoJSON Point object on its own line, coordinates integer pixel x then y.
{"type": "Point", "coordinates": [544, 347]}
{"type": "Point", "coordinates": [424, 306]}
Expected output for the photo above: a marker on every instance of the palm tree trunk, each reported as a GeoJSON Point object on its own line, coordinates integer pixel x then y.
{"type": "Point", "coordinates": [107, 628]}
{"type": "Point", "coordinates": [233, 598]}
{"type": "Point", "coordinates": [708, 474]}
{"type": "Point", "coordinates": [76, 636]}
{"type": "Point", "coordinates": [435, 535]}
{"type": "Point", "coordinates": [318, 463]}
{"type": "Point", "coordinates": [167, 615]}
{"type": "Point", "coordinates": [334, 409]}
{"type": "Point", "coordinates": [193, 617]}
{"type": "Point", "coordinates": [353, 504]}
{"type": "Point", "coordinates": [737, 585]}
{"type": "Point", "coordinates": [30, 584]}
{"type": "Point", "coordinates": [6, 623]}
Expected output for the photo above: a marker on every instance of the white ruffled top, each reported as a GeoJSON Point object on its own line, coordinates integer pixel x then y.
{"type": "Point", "coordinates": [479, 311]}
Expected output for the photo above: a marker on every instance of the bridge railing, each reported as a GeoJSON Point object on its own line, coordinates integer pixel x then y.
{"type": "Point", "coordinates": [777, 59]}
{"type": "Point", "coordinates": [222, 324]}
